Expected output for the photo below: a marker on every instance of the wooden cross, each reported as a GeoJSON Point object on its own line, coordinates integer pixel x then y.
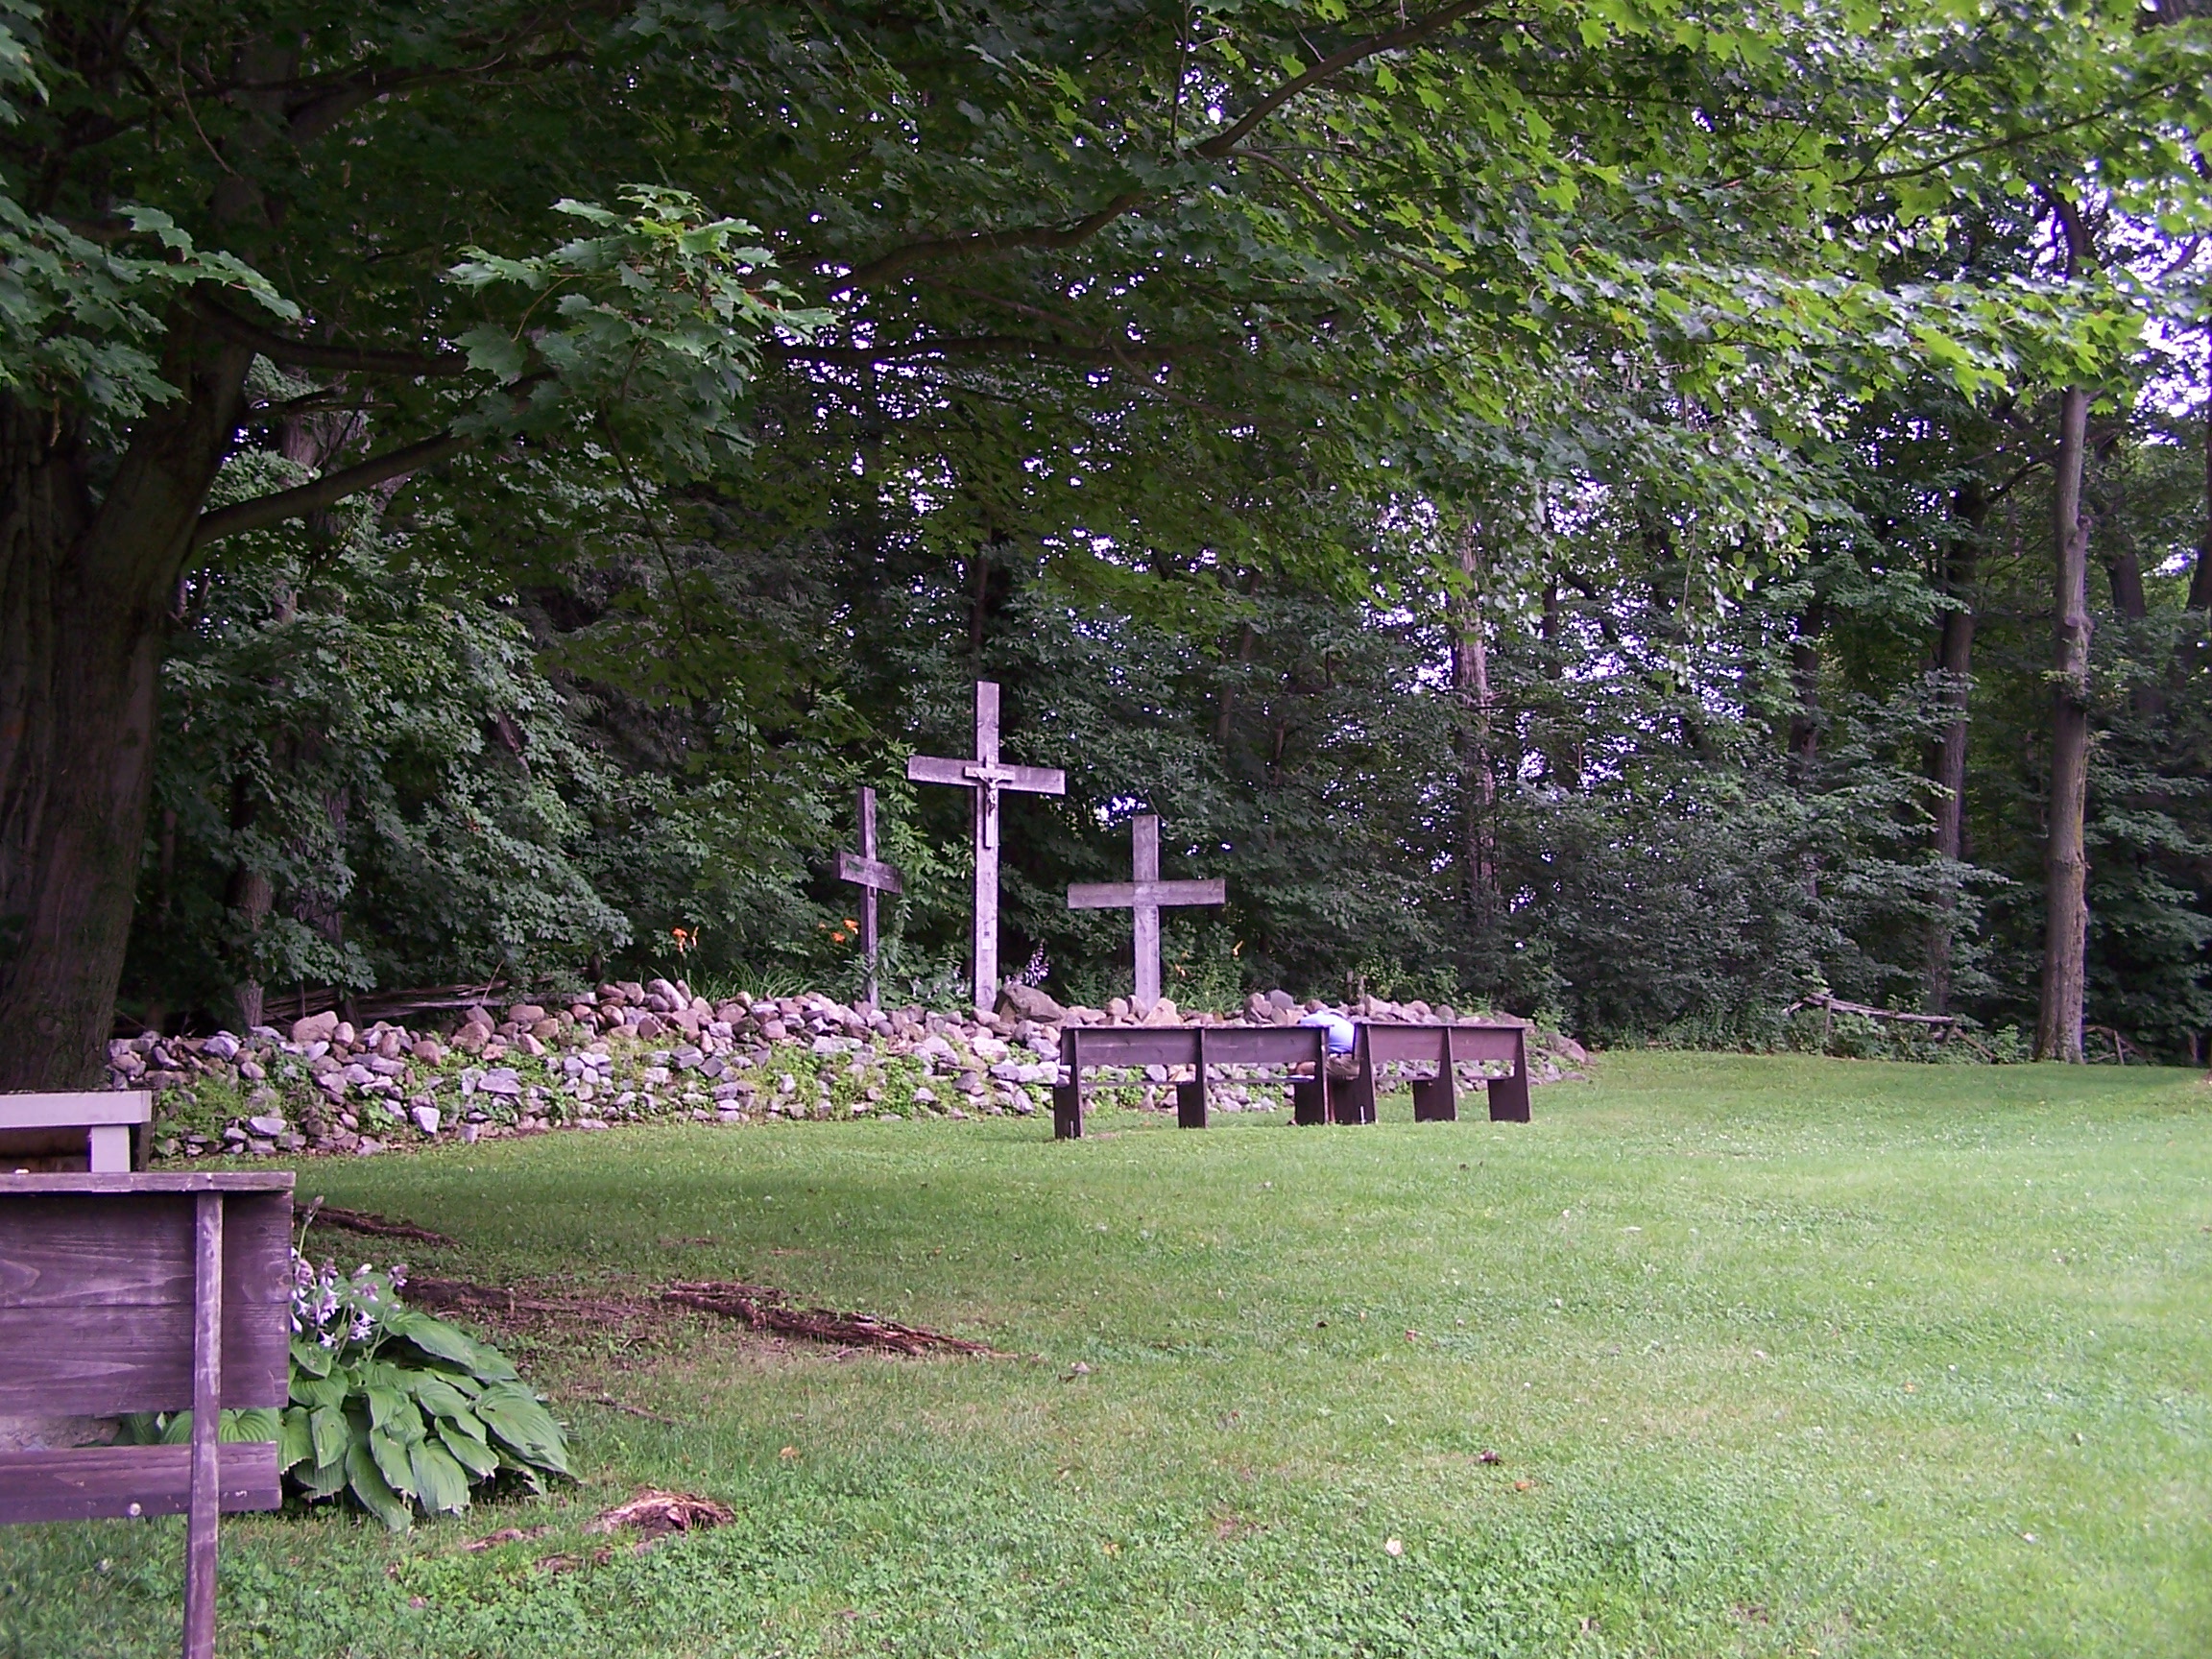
{"type": "Point", "coordinates": [1146, 895]}
{"type": "Point", "coordinates": [871, 876]}
{"type": "Point", "coordinates": [986, 777]}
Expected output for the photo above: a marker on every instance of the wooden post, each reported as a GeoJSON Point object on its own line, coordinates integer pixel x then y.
{"type": "Point", "coordinates": [207, 1427]}
{"type": "Point", "coordinates": [986, 777]}
{"type": "Point", "coordinates": [1145, 895]}
{"type": "Point", "coordinates": [871, 876]}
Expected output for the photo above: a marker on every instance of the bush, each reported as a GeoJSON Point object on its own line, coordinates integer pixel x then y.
{"type": "Point", "coordinates": [399, 1409]}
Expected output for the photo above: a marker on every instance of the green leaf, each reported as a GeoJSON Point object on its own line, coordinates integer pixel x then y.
{"type": "Point", "coordinates": [440, 1482]}
{"type": "Point", "coordinates": [433, 1335]}
{"type": "Point", "coordinates": [437, 1395]}
{"type": "Point", "coordinates": [253, 1422]}
{"type": "Point", "coordinates": [515, 1415]}
{"type": "Point", "coordinates": [469, 1447]}
{"type": "Point", "coordinates": [311, 1358]}
{"type": "Point", "coordinates": [296, 1440]}
{"type": "Point", "coordinates": [322, 1480]}
{"type": "Point", "coordinates": [330, 1433]}
{"type": "Point", "coordinates": [316, 1391]}
{"type": "Point", "coordinates": [365, 1478]}
{"type": "Point", "coordinates": [390, 1455]}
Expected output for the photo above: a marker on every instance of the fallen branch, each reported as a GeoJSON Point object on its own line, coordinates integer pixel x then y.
{"type": "Point", "coordinates": [1837, 1005]}
{"type": "Point", "coordinates": [611, 1403]}
{"type": "Point", "coordinates": [374, 1226]}
{"type": "Point", "coordinates": [766, 1310]}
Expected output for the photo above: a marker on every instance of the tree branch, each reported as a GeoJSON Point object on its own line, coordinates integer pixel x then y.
{"type": "Point", "coordinates": [983, 346]}
{"type": "Point", "coordinates": [326, 491]}
{"type": "Point", "coordinates": [307, 354]}
{"type": "Point", "coordinates": [1408, 34]}
{"type": "Point", "coordinates": [1218, 147]}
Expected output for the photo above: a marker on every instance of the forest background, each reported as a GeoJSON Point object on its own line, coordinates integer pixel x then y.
{"type": "Point", "coordinates": [1624, 512]}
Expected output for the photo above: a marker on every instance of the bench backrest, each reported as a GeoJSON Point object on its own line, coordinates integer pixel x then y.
{"type": "Point", "coordinates": [97, 1292]}
{"type": "Point", "coordinates": [1470, 1042]}
{"type": "Point", "coordinates": [1182, 1044]}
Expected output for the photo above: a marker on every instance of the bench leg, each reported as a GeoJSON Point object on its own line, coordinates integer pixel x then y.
{"type": "Point", "coordinates": [1436, 1099]}
{"type": "Point", "coordinates": [110, 1148]}
{"type": "Point", "coordinates": [1308, 1100]}
{"type": "Point", "coordinates": [1191, 1103]}
{"type": "Point", "coordinates": [1352, 1100]}
{"type": "Point", "coordinates": [1068, 1111]}
{"type": "Point", "coordinates": [1509, 1098]}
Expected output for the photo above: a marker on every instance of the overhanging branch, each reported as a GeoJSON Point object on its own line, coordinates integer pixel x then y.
{"type": "Point", "coordinates": [309, 354]}
{"type": "Point", "coordinates": [326, 491]}
{"type": "Point", "coordinates": [1221, 147]}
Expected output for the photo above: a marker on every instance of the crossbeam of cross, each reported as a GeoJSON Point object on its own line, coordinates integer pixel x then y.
{"type": "Point", "coordinates": [987, 775]}
{"type": "Point", "coordinates": [871, 876]}
{"type": "Point", "coordinates": [1147, 895]}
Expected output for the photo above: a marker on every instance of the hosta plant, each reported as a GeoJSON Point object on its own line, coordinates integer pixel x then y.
{"type": "Point", "coordinates": [399, 1409]}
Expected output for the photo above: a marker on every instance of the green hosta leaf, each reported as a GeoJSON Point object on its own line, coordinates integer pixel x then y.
{"type": "Point", "coordinates": [492, 1366]}
{"type": "Point", "coordinates": [311, 1358]}
{"type": "Point", "coordinates": [515, 1415]}
{"type": "Point", "coordinates": [322, 1480]}
{"type": "Point", "coordinates": [253, 1422]}
{"type": "Point", "coordinates": [469, 1448]}
{"type": "Point", "coordinates": [391, 1456]}
{"type": "Point", "coordinates": [316, 1391]}
{"type": "Point", "coordinates": [330, 1433]}
{"type": "Point", "coordinates": [440, 1483]}
{"type": "Point", "coordinates": [434, 1394]}
{"type": "Point", "coordinates": [433, 1336]}
{"type": "Point", "coordinates": [364, 1475]}
{"type": "Point", "coordinates": [296, 1440]}
{"type": "Point", "coordinates": [177, 1430]}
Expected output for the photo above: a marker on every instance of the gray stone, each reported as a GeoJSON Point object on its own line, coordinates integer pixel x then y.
{"type": "Point", "coordinates": [426, 1118]}
{"type": "Point", "coordinates": [272, 1124]}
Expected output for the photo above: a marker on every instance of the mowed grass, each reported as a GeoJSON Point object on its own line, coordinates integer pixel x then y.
{"type": "Point", "coordinates": [1779, 1356]}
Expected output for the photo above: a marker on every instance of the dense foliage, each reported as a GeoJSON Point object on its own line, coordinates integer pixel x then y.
{"type": "Point", "coordinates": [1507, 483]}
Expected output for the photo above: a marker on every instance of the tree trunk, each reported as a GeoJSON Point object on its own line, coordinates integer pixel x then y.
{"type": "Point", "coordinates": [1478, 777]}
{"type": "Point", "coordinates": [83, 596]}
{"type": "Point", "coordinates": [2065, 860]}
{"type": "Point", "coordinates": [2201, 578]}
{"type": "Point", "coordinates": [1955, 661]}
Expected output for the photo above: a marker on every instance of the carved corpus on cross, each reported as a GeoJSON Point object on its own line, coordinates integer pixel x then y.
{"type": "Point", "coordinates": [871, 876]}
{"type": "Point", "coordinates": [1146, 895]}
{"type": "Point", "coordinates": [985, 775]}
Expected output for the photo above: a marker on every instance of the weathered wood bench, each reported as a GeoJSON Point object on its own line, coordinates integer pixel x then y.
{"type": "Point", "coordinates": [122, 1293]}
{"type": "Point", "coordinates": [1197, 1046]}
{"type": "Point", "coordinates": [90, 1129]}
{"type": "Point", "coordinates": [1447, 1047]}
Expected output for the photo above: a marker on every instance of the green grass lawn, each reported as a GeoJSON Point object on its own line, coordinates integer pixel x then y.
{"type": "Point", "coordinates": [1780, 1356]}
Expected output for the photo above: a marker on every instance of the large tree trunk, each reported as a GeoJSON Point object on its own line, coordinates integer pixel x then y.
{"type": "Point", "coordinates": [1955, 660]}
{"type": "Point", "coordinates": [84, 594]}
{"type": "Point", "coordinates": [2065, 860]}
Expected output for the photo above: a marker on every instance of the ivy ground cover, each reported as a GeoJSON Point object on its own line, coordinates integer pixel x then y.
{"type": "Point", "coordinates": [1775, 1356]}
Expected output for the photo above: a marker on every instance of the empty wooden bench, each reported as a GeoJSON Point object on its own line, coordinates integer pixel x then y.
{"type": "Point", "coordinates": [122, 1293]}
{"type": "Point", "coordinates": [1447, 1047]}
{"type": "Point", "coordinates": [1197, 1046]}
{"type": "Point", "coordinates": [87, 1129]}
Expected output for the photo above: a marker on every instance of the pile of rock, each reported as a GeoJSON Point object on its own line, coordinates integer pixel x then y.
{"type": "Point", "coordinates": [628, 1051]}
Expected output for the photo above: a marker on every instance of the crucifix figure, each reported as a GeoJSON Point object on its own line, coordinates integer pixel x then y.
{"type": "Point", "coordinates": [871, 876]}
{"type": "Point", "coordinates": [1146, 895]}
{"type": "Point", "coordinates": [985, 775]}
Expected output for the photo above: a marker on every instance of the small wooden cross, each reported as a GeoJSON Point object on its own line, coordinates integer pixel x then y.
{"type": "Point", "coordinates": [985, 775]}
{"type": "Point", "coordinates": [1146, 895]}
{"type": "Point", "coordinates": [871, 876]}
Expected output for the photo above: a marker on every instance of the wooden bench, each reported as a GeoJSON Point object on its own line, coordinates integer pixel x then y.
{"type": "Point", "coordinates": [122, 1293]}
{"type": "Point", "coordinates": [1197, 1046]}
{"type": "Point", "coordinates": [1447, 1047]}
{"type": "Point", "coordinates": [90, 1129]}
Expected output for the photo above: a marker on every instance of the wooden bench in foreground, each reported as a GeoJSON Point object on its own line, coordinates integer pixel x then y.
{"type": "Point", "coordinates": [1447, 1047]}
{"type": "Point", "coordinates": [1197, 1046]}
{"type": "Point", "coordinates": [122, 1293]}
{"type": "Point", "coordinates": [87, 1129]}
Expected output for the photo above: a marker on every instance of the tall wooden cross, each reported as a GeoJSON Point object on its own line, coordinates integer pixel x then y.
{"type": "Point", "coordinates": [985, 775]}
{"type": "Point", "coordinates": [1146, 895]}
{"type": "Point", "coordinates": [871, 876]}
